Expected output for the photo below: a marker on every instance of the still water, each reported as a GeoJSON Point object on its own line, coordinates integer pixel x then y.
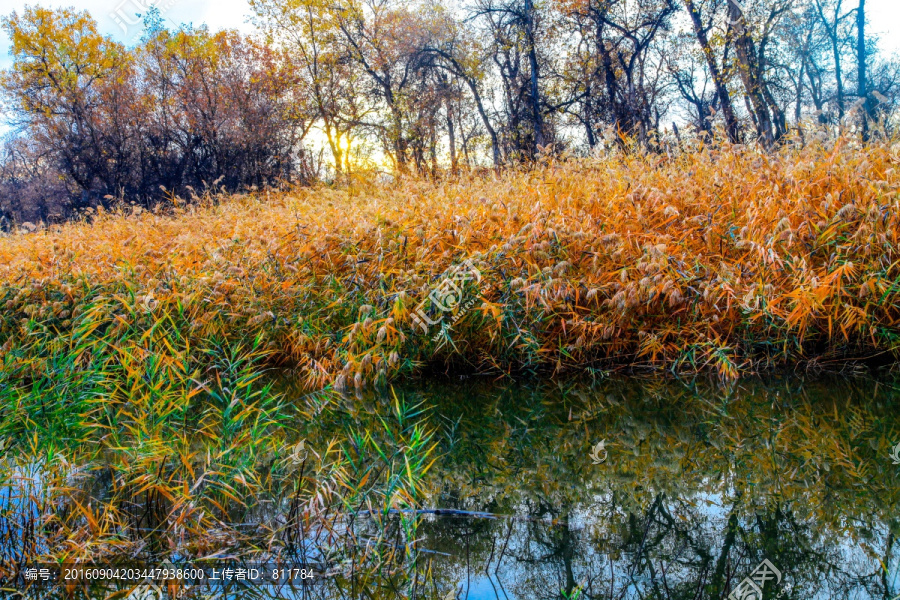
{"type": "Point", "coordinates": [697, 484]}
{"type": "Point", "coordinates": [625, 488]}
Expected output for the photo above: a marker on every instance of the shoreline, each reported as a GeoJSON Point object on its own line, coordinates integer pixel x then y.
{"type": "Point", "coordinates": [726, 260]}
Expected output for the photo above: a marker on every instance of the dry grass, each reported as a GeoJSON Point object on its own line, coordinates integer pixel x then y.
{"type": "Point", "coordinates": [730, 259]}
{"type": "Point", "coordinates": [135, 345]}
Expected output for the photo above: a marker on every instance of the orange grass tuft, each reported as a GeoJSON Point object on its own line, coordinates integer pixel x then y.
{"type": "Point", "coordinates": [730, 259]}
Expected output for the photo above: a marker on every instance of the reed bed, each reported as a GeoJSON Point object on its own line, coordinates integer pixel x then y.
{"type": "Point", "coordinates": [342, 502]}
{"type": "Point", "coordinates": [723, 258]}
{"type": "Point", "coordinates": [135, 345]}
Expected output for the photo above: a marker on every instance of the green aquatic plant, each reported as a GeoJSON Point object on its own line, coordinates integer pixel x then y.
{"type": "Point", "coordinates": [726, 259]}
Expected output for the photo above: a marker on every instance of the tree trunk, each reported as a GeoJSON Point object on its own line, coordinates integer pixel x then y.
{"type": "Point", "coordinates": [863, 85]}
{"type": "Point", "coordinates": [399, 142]}
{"type": "Point", "coordinates": [535, 91]}
{"type": "Point", "coordinates": [495, 142]}
{"type": "Point", "coordinates": [432, 147]}
{"type": "Point", "coordinates": [748, 67]}
{"type": "Point", "coordinates": [455, 68]}
{"type": "Point", "coordinates": [838, 75]}
{"type": "Point", "coordinates": [832, 31]}
{"type": "Point", "coordinates": [335, 145]}
{"type": "Point", "coordinates": [451, 134]}
{"type": "Point", "coordinates": [612, 88]}
{"type": "Point", "coordinates": [731, 122]}
{"type": "Point", "coordinates": [777, 114]}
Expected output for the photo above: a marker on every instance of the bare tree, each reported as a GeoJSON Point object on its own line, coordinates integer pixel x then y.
{"type": "Point", "coordinates": [701, 30]}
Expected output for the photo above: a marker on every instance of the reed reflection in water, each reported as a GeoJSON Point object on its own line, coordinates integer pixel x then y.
{"type": "Point", "coordinates": [702, 483]}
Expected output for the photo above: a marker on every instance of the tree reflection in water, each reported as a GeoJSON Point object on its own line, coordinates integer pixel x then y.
{"type": "Point", "coordinates": [702, 483]}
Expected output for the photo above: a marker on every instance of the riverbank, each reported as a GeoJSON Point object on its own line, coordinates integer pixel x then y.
{"type": "Point", "coordinates": [730, 260]}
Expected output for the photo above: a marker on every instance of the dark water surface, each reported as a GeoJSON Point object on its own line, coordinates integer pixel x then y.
{"type": "Point", "coordinates": [696, 484]}
{"type": "Point", "coordinates": [701, 484]}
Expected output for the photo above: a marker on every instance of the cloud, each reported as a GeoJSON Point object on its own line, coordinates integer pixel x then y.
{"type": "Point", "coordinates": [216, 14]}
{"type": "Point", "coordinates": [110, 14]}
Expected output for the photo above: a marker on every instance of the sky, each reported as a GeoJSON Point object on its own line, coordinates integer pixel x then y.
{"type": "Point", "coordinates": [113, 16]}
{"type": "Point", "coordinates": [117, 17]}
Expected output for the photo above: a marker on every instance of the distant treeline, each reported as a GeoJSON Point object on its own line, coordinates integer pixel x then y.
{"type": "Point", "coordinates": [417, 85]}
{"type": "Point", "coordinates": [179, 113]}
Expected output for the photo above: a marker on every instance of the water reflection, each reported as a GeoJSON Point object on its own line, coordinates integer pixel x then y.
{"type": "Point", "coordinates": [702, 483]}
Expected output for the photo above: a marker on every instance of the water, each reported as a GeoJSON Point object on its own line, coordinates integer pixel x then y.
{"type": "Point", "coordinates": [699, 486]}
{"type": "Point", "coordinates": [694, 486]}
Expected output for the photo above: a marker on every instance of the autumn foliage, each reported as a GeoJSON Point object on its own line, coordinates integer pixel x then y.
{"type": "Point", "coordinates": [730, 259]}
{"type": "Point", "coordinates": [183, 111]}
